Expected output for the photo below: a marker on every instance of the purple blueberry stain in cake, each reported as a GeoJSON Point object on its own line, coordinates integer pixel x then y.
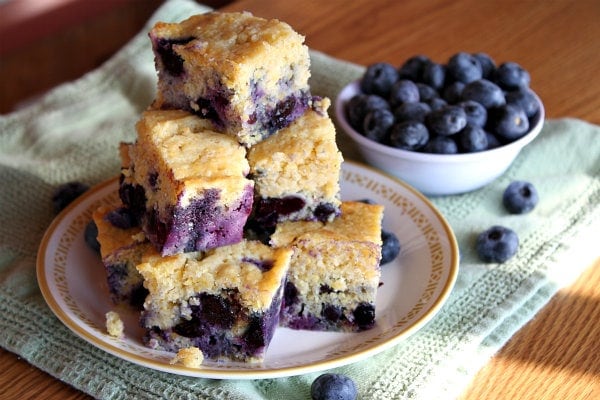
{"type": "Point", "coordinates": [133, 197]}
{"type": "Point", "coordinates": [268, 211]}
{"type": "Point", "coordinates": [171, 61]}
{"type": "Point", "coordinates": [214, 105]}
{"type": "Point", "coordinates": [263, 265]}
{"type": "Point", "coordinates": [290, 295]}
{"type": "Point", "coordinates": [121, 218]}
{"type": "Point", "coordinates": [285, 112]}
{"type": "Point", "coordinates": [201, 225]}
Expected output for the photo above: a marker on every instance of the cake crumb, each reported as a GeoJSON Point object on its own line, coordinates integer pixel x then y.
{"type": "Point", "coordinates": [114, 324]}
{"type": "Point", "coordinates": [190, 357]}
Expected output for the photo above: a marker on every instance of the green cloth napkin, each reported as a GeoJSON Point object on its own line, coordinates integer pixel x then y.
{"type": "Point", "coordinates": [72, 134]}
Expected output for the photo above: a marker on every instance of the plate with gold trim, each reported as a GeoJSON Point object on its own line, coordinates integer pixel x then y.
{"type": "Point", "coordinates": [414, 286]}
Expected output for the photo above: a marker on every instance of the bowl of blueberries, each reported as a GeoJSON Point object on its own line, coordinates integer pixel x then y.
{"type": "Point", "coordinates": [444, 128]}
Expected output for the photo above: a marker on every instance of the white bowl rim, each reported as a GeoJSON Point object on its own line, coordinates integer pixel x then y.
{"type": "Point", "coordinates": [515, 146]}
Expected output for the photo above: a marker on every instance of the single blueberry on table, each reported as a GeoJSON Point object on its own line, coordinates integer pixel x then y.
{"type": "Point", "coordinates": [509, 122]}
{"type": "Point", "coordinates": [331, 386]}
{"type": "Point", "coordinates": [412, 112]}
{"type": "Point", "coordinates": [497, 244]}
{"type": "Point", "coordinates": [403, 91]}
{"type": "Point", "coordinates": [378, 79]}
{"type": "Point", "coordinates": [476, 112]}
{"type": "Point", "coordinates": [413, 68]}
{"type": "Point", "coordinates": [463, 67]}
{"type": "Point", "coordinates": [524, 98]}
{"type": "Point", "coordinates": [520, 197]}
{"type": "Point", "coordinates": [377, 123]}
{"type": "Point", "coordinates": [446, 121]}
{"type": "Point", "coordinates": [488, 65]}
{"type": "Point", "coordinates": [485, 92]}
{"type": "Point", "coordinates": [408, 135]}
{"type": "Point", "coordinates": [441, 145]}
{"type": "Point", "coordinates": [360, 105]}
{"type": "Point", "coordinates": [66, 193]}
{"type": "Point", "coordinates": [390, 247]}
{"type": "Point", "coordinates": [472, 139]}
{"type": "Point", "coordinates": [510, 76]}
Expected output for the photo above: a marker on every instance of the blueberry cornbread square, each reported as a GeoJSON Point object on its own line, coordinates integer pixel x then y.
{"type": "Point", "coordinates": [296, 171]}
{"type": "Point", "coordinates": [186, 183]}
{"type": "Point", "coordinates": [247, 75]}
{"type": "Point", "coordinates": [122, 245]}
{"type": "Point", "coordinates": [226, 301]}
{"type": "Point", "coordinates": [334, 272]}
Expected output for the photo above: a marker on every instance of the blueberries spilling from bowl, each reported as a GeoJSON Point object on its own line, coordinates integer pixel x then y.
{"type": "Point", "coordinates": [466, 105]}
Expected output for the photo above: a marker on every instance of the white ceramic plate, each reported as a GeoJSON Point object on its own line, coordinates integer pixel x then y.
{"type": "Point", "coordinates": [415, 286]}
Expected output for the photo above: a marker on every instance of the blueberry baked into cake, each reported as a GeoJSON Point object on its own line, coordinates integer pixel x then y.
{"type": "Point", "coordinates": [186, 183]}
{"type": "Point", "coordinates": [296, 171]}
{"type": "Point", "coordinates": [122, 244]}
{"type": "Point", "coordinates": [225, 302]}
{"type": "Point", "coordinates": [247, 75]}
{"type": "Point", "coordinates": [334, 272]}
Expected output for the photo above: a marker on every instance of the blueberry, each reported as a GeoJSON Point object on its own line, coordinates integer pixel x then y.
{"type": "Point", "coordinates": [426, 92]}
{"type": "Point", "coordinates": [378, 79]}
{"type": "Point", "coordinates": [403, 91]}
{"type": "Point", "coordinates": [437, 103]}
{"type": "Point", "coordinates": [172, 62]}
{"type": "Point", "coordinates": [476, 112]}
{"type": "Point", "coordinates": [524, 98]}
{"type": "Point", "coordinates": [390, 247]}
{"type": "Point", "coordinates": [472, 139]}
{"type": "Point", "coordinates": [463, 67]}
{"type": "Point", "coordinates": [509, 122]}
{"type": "Point", "coordinates": [364, 315]}
{"type": "Point", "coordinates": [90, 235]}
{"type": "Point", "coordinates": [497, 244]}
{"type": "Point", "coordinates": [331, 313]}
{"type": "Point", "coordinates": [446, 121]}
{"type": "Point", "coordinates": [520, 197]}
{"type": "Point", "coordinates": [434, 75]}
{"type": "Point", "coordinates": [492, 140]}
{"type": "Point", "coordinates": [510, 76]}
{"type": "Point", "coordinates": [377, 123]}
{"type": "Point", "coordinates": [66, 193]}
{"type": "Point", "coordinates": [488, 65]}
{"type": "Point", "coordinates": [413, 68]}
{"type": "Point", "coordinates": [441, 145]}
{"type": "Point", "coordinates": [331, 386]}
{"type": "Point", "coordinates": [412, 112]}
{"type": "Point", "coordinates": [360, 105]}
{"type": "Point", "coordinates": [121, 218]}
{"type": "Point", "coordinates": [485, 92]}
{"type": "Point", "coordinates": [409, 135]}
{"type": "Point", "coordinates": [452, 93]}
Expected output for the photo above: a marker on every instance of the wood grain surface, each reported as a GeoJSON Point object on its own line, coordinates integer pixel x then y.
{"type": "Point", "coordinates": [557, 354]}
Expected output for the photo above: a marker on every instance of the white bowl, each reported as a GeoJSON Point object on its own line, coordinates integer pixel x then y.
{"type": "Point", "coordinates": [436, 174]}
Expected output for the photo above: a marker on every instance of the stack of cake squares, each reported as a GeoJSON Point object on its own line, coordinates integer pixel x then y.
{"type": "Point", "coordinates": [231, 222]}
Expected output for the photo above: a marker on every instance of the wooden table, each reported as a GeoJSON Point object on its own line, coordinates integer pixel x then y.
{"type": "Point", "coordinates": [557, 354]}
